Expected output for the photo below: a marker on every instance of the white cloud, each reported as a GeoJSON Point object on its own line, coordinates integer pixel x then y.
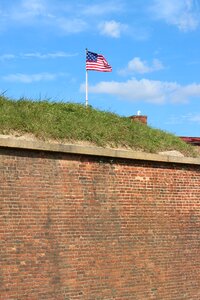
{"type": "Point", "coordinates": [45, 14]}
{"type": "Point", "coordinates": [71, 25]}
{"type": "Point", "coordinates": [63, 17]}
{"type": "Point", "coordinates": [146, 90]}
{"type": "Point", "coordinates": [103, 8]}
{"type": "Point", "coordinates": [29, 78]}
{"type": "Point", "coordinates": [181, 13]}
{"type": "Point", "coordinates": [183, 119]}
{"type": "Point", "coordinates": [112, 28]}
{"type": "Point", "coordinates": [58, 54]}
{"type": "Point", "coordinates": [136, 65]}
{"type": "Point", "coordinates": [53, 55]}
{"type": "Point", "coordinates": [7, 56]}
{"type": "Point", "coordinates": [194, 118]}
{"type": "Point", "coordinates": [27, 11]}
{"type": "Point", "coordinates": [35, 7]}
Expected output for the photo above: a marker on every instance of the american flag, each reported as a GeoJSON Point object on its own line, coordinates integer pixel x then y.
{"type": "Point", "coordinates": [97, 62]}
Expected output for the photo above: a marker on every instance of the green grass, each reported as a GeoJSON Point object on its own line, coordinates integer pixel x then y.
{"type": "Point", "coordinates": [73, 122]}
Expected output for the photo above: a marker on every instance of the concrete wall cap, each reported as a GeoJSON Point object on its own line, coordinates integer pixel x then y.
{"type": "Point", "coordinates": [37, 145]}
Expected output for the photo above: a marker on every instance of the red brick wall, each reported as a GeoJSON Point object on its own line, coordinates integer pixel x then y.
{"type": "Point", "coordinates": [78, 227]}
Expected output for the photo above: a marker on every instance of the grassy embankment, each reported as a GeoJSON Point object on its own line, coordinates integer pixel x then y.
{"type": "Point", "coordinates": [73, 122]}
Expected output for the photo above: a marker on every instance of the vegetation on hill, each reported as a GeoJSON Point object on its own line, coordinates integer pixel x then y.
{"type": "Point", "coordinates": [74, 122]}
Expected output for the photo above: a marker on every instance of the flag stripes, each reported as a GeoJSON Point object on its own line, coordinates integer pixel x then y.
{"type": "Point", "coordinates": [97, 62]}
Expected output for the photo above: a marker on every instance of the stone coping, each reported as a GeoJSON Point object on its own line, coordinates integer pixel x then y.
{"type": "Point", "coordinates": [37, 145]}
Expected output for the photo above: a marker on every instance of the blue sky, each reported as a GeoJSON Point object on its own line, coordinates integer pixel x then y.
{"type": "Point", "coordinates": [153, 47]}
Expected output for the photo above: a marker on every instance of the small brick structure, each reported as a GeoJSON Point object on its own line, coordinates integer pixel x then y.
{"type": "Point", "coordinates": [139, 118]}
{"type": "Point", "coordinates": [194, 141]}
{"type": "Point", "coordinates": [104, 225]}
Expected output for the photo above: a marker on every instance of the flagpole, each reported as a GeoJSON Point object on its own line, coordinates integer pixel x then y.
{"type": "Point", "coordinates": [86, 84]}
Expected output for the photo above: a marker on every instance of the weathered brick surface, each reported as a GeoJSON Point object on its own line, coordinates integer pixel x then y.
{"type": "Point", "coordinates": [78, 227]}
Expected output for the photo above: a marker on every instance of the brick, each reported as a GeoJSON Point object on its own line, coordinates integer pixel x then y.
{"type": "Point", "coordinates": [81, 227]}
